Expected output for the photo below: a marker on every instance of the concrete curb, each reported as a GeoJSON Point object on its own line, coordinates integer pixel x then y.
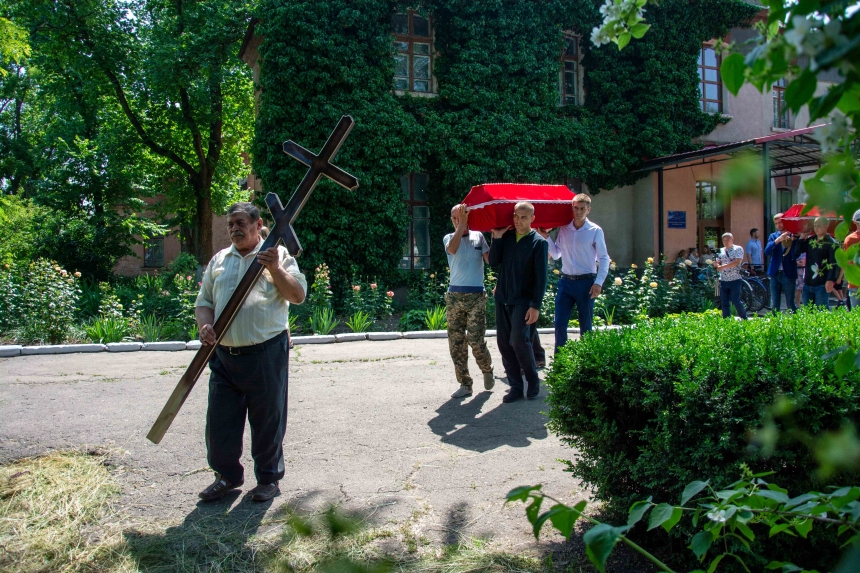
{"type": "Point", "coordinates": [124, 346]}
{"type": "Point", "coordinates": [426, 334]}
{"type": "Point", "coordinates": [9, 350]}
{"type": "Point", "coordinates": [350, 336]}
{"type": "Point", "coordinates": [165, 346]}
{"type": "Point", "coordinates": [384, 335]}
{"type": "Point", "coordinates": [315, 339]}
{"type": "Point", "coordinates": [12, 350]}
{"type": "Point", "coordinates": [61, 349]}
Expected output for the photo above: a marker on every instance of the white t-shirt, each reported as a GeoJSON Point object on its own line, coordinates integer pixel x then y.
{"type": "Point", "coordinates": [724, 258]}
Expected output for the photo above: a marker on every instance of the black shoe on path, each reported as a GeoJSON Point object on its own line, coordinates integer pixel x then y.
{"type": "Point", "coordinates": [533, 392]}
{"type": "Point", "coordinates": [218, 488]}
{"type": "Point", "coordinates": [265, 491]}
{"type": "Point", "coordinates": [512, 396]}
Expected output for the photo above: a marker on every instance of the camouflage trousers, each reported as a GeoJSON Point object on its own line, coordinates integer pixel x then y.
{"type": "Point", "coordinates": [467, 320]}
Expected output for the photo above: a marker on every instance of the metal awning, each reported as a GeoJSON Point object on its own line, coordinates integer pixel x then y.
{"type": "Point", "coordinates": [795, 151]}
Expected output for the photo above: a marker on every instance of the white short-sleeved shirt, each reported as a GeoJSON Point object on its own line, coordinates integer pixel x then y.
{"type": "Point", "coordinates": [265, 313]}
{"type": "Point", "coordinates": [724, 257]}
{"type": "Point", "coordinates": [467, 266]}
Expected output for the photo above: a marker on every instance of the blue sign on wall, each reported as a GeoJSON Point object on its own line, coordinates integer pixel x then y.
{"type": "Point", "coordinates": [677, 219]}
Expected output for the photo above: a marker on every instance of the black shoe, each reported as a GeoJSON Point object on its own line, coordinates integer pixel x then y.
{"type": "Point", "coordinates": [512, 396]}
{"type": "Point", "coordinates": [218, 488]}
{"type": "Point", "coordinates": [541, 364]}
{"type": "Point", "coordinates": [265, 491]}
{"type": "Point", "coordinates": [533, 392]}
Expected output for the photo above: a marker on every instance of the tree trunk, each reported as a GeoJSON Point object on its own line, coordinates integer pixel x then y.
{"type": "Point", "coordinates": [202, 231]}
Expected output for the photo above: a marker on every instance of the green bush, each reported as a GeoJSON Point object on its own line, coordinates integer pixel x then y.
{"type": "Point", "coordinates": [108, 329]}
{"type": "Point", "coordinates": [412, 320]}
{"type": "Point", "coordinates": [38, 301]}
{"type": "Point", "coordinates": [652, 408]}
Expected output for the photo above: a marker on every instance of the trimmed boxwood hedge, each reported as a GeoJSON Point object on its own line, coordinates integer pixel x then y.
{"type": "Point", "coordinates": [652, 408]}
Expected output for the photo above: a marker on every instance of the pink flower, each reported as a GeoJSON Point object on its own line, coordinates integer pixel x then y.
{"type": "Point", "coordinates": [200, 284]}
{"type": "Point", "coordinates": [373, 286]}
{"type": "Point", "coordinates": [356, 288]}
{"type": "Point", "coordinates": [390, 293]}
{"type": "Point", "coordinates": [188, 278]}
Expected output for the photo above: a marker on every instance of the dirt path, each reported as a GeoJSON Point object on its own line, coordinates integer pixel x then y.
{"type": "Point", "coordinates": [371, 426]}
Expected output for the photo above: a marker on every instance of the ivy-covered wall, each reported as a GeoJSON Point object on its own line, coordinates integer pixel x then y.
{"type": "Point", "coordinates": [496, 117]}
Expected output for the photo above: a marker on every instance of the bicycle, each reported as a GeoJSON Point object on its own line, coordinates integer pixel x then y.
{"type": "Point", "coordinates": [759, 290]}
{"type": "Point", "coordinates": [753, 292]}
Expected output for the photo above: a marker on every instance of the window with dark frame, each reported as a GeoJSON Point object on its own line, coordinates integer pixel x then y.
{"type": "Point", "coordinates": [710, 84]}
{"type": "Point", "coordinates": [784, 198]}
{"type": "Point", "coordinates": [780, 111]}
{"type": "Point", "coordinates": [413, 57]}
{"type": "Point", "coordinates": [708, 205]}
{"type": "Point", "coordinates": [570, 70]}
{"type": "Point", "coordinates": [416, 244]}
{"type": "Point", "coordinates": [153, 252]}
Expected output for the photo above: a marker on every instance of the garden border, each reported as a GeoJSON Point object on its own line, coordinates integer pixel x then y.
{"type": "Point", "coordinates": [13, 350]}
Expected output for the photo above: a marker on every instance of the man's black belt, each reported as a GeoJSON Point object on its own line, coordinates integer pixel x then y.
{"type": "Point", "coordinates": [253, 348]}
{"type": "Point", "coordinates": [590, 276]}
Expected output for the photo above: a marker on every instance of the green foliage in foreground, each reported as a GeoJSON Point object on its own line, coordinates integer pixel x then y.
{"type": "Point", "coordinates": [731, 520]}
{"type": "Point", "coordinates": [651, 408]}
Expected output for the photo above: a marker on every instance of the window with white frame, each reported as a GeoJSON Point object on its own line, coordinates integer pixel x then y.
{"type": "Point", "coordinates": [413, 52]}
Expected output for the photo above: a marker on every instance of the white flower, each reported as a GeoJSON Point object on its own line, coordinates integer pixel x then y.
{"type": "Point", "coordinates": [688, 262]}
{"type": "Point", "coordinates": [795, 36]}
{"type": "Point", "coordinates": [653, 285]}
{"type": "Point", "coordinates": [612, 266]}
{"type": "Point", "coordinates": [618, 281]}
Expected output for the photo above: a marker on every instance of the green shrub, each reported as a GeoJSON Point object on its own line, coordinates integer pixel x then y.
{"type": "Point", "coordinates": [323, 321]}
{"type": "Point", "coordinates": [652, 408]}
{"type": "Point", "coordinates": [359, 322]}
{"type": "Point", "coordinates": [108, 329]}
{"type": "Point", "coordinates": [40, 300]}
{"type": "Point", "coordinates": [149, 328]}
{"type": "Point", "coordinates": [434, 319]}
{"type": "Point", "coordinates": [412, 320]}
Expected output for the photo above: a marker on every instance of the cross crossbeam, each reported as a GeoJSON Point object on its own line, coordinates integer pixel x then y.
{"type": "Point", "coordinates": [282, 233]}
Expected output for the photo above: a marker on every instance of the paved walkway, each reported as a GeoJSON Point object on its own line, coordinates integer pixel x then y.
{"type": "Point", "coordinates": [371, 426]}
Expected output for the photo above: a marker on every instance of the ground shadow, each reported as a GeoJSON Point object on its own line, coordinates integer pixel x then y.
{"type": "Point", "coordinates": [213, 536]}
{"type": "Point", "coordinates": [461, 423]}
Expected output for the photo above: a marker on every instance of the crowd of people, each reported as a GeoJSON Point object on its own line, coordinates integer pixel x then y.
{"type": "Point", "coordinates": [249, 368]}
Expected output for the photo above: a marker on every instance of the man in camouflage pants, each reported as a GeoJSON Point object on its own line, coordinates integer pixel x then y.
{"type": "Point", "coordinates": [467, 301]}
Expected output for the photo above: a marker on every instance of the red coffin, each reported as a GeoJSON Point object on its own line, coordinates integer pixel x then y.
{"type": "Point", "coordinates": [491, 205]}
{"type": "Point", "coordinates": [794, 222]}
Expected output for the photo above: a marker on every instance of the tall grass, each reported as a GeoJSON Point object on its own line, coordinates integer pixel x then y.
{"type": "Point", "coordinates": [106, 330]}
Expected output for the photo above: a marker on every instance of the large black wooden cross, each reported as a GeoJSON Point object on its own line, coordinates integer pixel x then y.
{"type": "Point", "coordinates": [282, 233]}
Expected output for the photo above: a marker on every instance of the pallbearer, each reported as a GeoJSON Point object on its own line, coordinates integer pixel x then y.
{"type": "Point", "coordinates": [249, 366]}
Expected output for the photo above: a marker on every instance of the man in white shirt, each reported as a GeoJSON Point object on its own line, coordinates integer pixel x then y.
{"type": "Point", "coordinates": [249, 368]}
{"type": "Point", "coordinates": [580, 245]}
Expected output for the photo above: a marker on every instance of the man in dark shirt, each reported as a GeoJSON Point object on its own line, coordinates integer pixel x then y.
{"type": "Point", "coordinates": [821, 267]}
{"type": "Point", "coordinates": [520, 257]}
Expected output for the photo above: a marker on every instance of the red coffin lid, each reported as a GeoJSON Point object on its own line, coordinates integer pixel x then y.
{"type": "Point", "coordinates": [794, 222]}
{"type": "Point", "coordinates": [491, 205]}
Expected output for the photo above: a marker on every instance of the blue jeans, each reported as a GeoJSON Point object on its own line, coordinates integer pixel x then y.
{"type": "Point", "coordinates": [778, 285]}
{"type": "Point", "coordinates": [572, 293]}
{"type": "Point", "coordinates": [817, 295]}
{"type": "Point", "coordinates": [730, 293]}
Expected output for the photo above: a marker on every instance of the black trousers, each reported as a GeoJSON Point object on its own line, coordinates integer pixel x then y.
{"type": "Point", "coordinates": [514, 338]}
{"type": "Point", "coordinates": [252, 386]}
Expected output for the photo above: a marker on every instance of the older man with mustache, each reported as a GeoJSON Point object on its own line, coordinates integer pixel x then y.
{"type": "Point", "coordinates": [250, 366]}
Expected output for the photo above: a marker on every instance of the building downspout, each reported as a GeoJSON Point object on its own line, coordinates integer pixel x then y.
{"type": "Point", "coordinates": [661, 232]}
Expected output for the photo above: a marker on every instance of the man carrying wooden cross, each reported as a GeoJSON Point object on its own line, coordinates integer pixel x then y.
{"type": "Point", "coordinates": [249, 367]}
